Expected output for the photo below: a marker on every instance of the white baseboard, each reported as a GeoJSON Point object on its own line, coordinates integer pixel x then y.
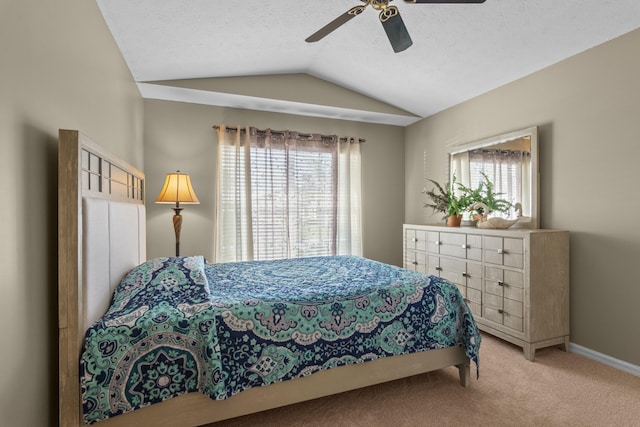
{"type": "Point", "coordinates": [603, 358]}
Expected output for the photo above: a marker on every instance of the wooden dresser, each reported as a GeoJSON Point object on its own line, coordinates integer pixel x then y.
{"type": "Point", "coordinates": [516, 282]}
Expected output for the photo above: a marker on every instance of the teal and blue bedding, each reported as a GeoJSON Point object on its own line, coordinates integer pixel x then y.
{"type": "Point", "coordinates": [180, 325]}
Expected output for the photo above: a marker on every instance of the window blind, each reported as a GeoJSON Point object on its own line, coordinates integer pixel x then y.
{"type": "Point", "coordinates": [286, 195]}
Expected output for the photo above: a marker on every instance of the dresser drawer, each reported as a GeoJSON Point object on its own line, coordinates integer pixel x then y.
{"type": "Point", "coordinates": [474, 247]}
{"type": "Point", "coordinates": [415, 239]}
{"type": "Point", "coordinates": [503, 291]}
{"type": "Point", "coordinates": [473, 274]}
{"type": "Point", "coordinates": [433, 242]}
{"type": "Point", "coordinates": [474, 295]}
{"type": "Point", "coordinates": [455, 244]}
{"type": "Point", "coordinates": [476, 309]}
{"type": "Point", "coordinates": [491, 313]}
{"type": "Point", "coordinates": [452, 250]}
{"type": "Point", "coordinates": [415, 261]}
{"type": "Point", "coordinates": [493, 300]}
{"type": "Point", "coordinates": [433, 263]}
{"type": "Point", "coordinates": [513, 254]}
{"type": "Point", "coordinates": [502, 317]}
{"type": "Point", "coordinates": [455, 239]}
{"type": "Point", "coordinates": [513, 322]}
{"type": "Point", "coordinates": [505, 251]}
{"type": "Point", "coordinates": [504, 282]}
{"type": "Point", "coordinates": [456, 271]}
{"type": "Point", "coordinates": [513, 307]}
{"type": "Point", "coordinates": [510, 277]}
{"type": "Point", "coordinates": [452, 270]}
{"type": "Point", "coordinates": [473, 298]}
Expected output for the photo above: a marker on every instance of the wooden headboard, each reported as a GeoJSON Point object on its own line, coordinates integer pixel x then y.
{"type": "Point", "coordinates": [101, 236]}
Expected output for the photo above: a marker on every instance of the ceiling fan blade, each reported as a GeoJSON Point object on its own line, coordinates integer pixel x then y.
{"type": "Point", "coordinates": [395, 29]}
{"type": "Point", "coordinates": [444, 1]}
{"type": "Point", "coordinates": [333, 25]}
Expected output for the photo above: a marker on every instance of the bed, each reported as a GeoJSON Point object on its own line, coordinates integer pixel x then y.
{"type": "Point", "coordinates": [102, 240]}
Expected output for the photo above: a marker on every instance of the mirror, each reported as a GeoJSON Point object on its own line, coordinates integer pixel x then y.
{"type": "Point", "coordinates": [510, 162]}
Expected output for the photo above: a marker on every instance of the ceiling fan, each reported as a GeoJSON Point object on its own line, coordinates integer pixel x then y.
{"type": "Point", "coordinates": [389, 17]}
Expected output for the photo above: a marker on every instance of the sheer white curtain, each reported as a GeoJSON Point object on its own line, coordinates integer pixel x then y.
{"type": "Point", "coordinates": [508, 170]}
{"type": "Point", "coordinates": [286, 195]}
{"type": "Point", "coordinates": [460, 168]}
{"type": "Point", "coordinates": [349, 209]}
{"type": "Point", "coordinates": [233, 229]}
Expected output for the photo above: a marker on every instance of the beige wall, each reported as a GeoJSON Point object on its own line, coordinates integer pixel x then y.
{"type": "Point", "coordinates": [180, 136]}
{"type": "Point", "coordinates": [60, 68]}
{"type": "Point", "coordinates": [588, 112]}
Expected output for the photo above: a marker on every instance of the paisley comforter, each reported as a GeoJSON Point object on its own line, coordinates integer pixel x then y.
{"type": "Point", "coordinates": [178, 325]}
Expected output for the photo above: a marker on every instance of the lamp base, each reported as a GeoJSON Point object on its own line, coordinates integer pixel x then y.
{"type": "Point", "coordinates": [177, 226]}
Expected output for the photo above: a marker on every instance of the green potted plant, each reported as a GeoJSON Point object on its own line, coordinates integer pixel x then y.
{"type": "Point", "coordinates": [448, 202]}
{"type": "Point", "coordinates": [485, 195]}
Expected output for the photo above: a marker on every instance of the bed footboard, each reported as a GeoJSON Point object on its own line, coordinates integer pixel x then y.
{"type": "Point", "coordinates": [195, 409]}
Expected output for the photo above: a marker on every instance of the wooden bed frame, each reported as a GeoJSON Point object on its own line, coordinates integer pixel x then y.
{"type": "Point", "coordinates": [102, 236]}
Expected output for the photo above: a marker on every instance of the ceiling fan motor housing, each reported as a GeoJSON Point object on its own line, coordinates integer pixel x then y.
{"type": "Point", "coordinates": [379, 4]}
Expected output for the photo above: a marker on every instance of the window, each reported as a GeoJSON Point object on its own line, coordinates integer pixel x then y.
{"type": "Point", "coordinates": [506, 169]}
{"type": "Point", "coordinates": [286, 195]}
{"type": "Point", "coordinates": [293, 203]}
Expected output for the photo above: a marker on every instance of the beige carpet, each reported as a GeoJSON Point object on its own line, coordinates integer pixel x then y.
{"type": "Point", "coordinates": [558, 389]}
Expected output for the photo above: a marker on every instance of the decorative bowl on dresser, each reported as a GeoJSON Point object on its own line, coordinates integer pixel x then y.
{"type": "Point", "coordinates": [516, 282]}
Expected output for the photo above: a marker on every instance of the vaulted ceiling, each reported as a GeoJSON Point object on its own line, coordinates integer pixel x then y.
{"type": "Point", "coordinates": [459, 51]}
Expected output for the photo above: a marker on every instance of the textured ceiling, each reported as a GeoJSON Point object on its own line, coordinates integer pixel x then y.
{"type": "Point", "coordinates": [459, 51]}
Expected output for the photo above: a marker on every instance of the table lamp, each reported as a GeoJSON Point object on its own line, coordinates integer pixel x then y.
{"type": "Point", "coordinates": [177, 189]}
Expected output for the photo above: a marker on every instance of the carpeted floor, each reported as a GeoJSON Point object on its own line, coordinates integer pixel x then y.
{"type": "Point", "coordinates": [558, 389]}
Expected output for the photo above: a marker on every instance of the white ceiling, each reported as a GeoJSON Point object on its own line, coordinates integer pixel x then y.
{"type": "Point", "coordinates": [459, 51]}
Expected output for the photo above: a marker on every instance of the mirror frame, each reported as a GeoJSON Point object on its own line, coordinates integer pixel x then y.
{"type": "Point", "coordinates": [532, 133]}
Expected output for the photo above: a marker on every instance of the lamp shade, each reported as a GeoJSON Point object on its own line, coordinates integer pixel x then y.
{"type": "Point", "coordinates": [177, 189]}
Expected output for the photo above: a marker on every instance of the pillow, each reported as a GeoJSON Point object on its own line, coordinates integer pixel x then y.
{"type": "Point", "coordinates": [173, 281]}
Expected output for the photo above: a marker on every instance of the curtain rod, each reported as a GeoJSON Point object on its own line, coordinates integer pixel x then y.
{"type": "Point", "coordinates": [279, 132]}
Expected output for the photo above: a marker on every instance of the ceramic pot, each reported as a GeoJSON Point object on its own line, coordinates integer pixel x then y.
{"type": "Point", "coordinates": [454, 220]}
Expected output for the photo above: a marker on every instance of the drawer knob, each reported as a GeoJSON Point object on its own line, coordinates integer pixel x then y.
{"type": "Point", "coordinates": [501, 283]}
{"type": "Point", "coordinates": [501, 311]}
{"type": "Point", "coordinates": [465, 274]}
{"type": "Point", "coordinates": [438, 268]}
{"type": "Point", "coordinates": [438, 242]}
{"type": "Point", "coordinates": [465, 246]}
{"type": "Point", "coordinates": [414, 239]}
{"type": "Point", "coordinates": [415, 263]}
{"type": "Point", "coordinates": [502, 251]}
